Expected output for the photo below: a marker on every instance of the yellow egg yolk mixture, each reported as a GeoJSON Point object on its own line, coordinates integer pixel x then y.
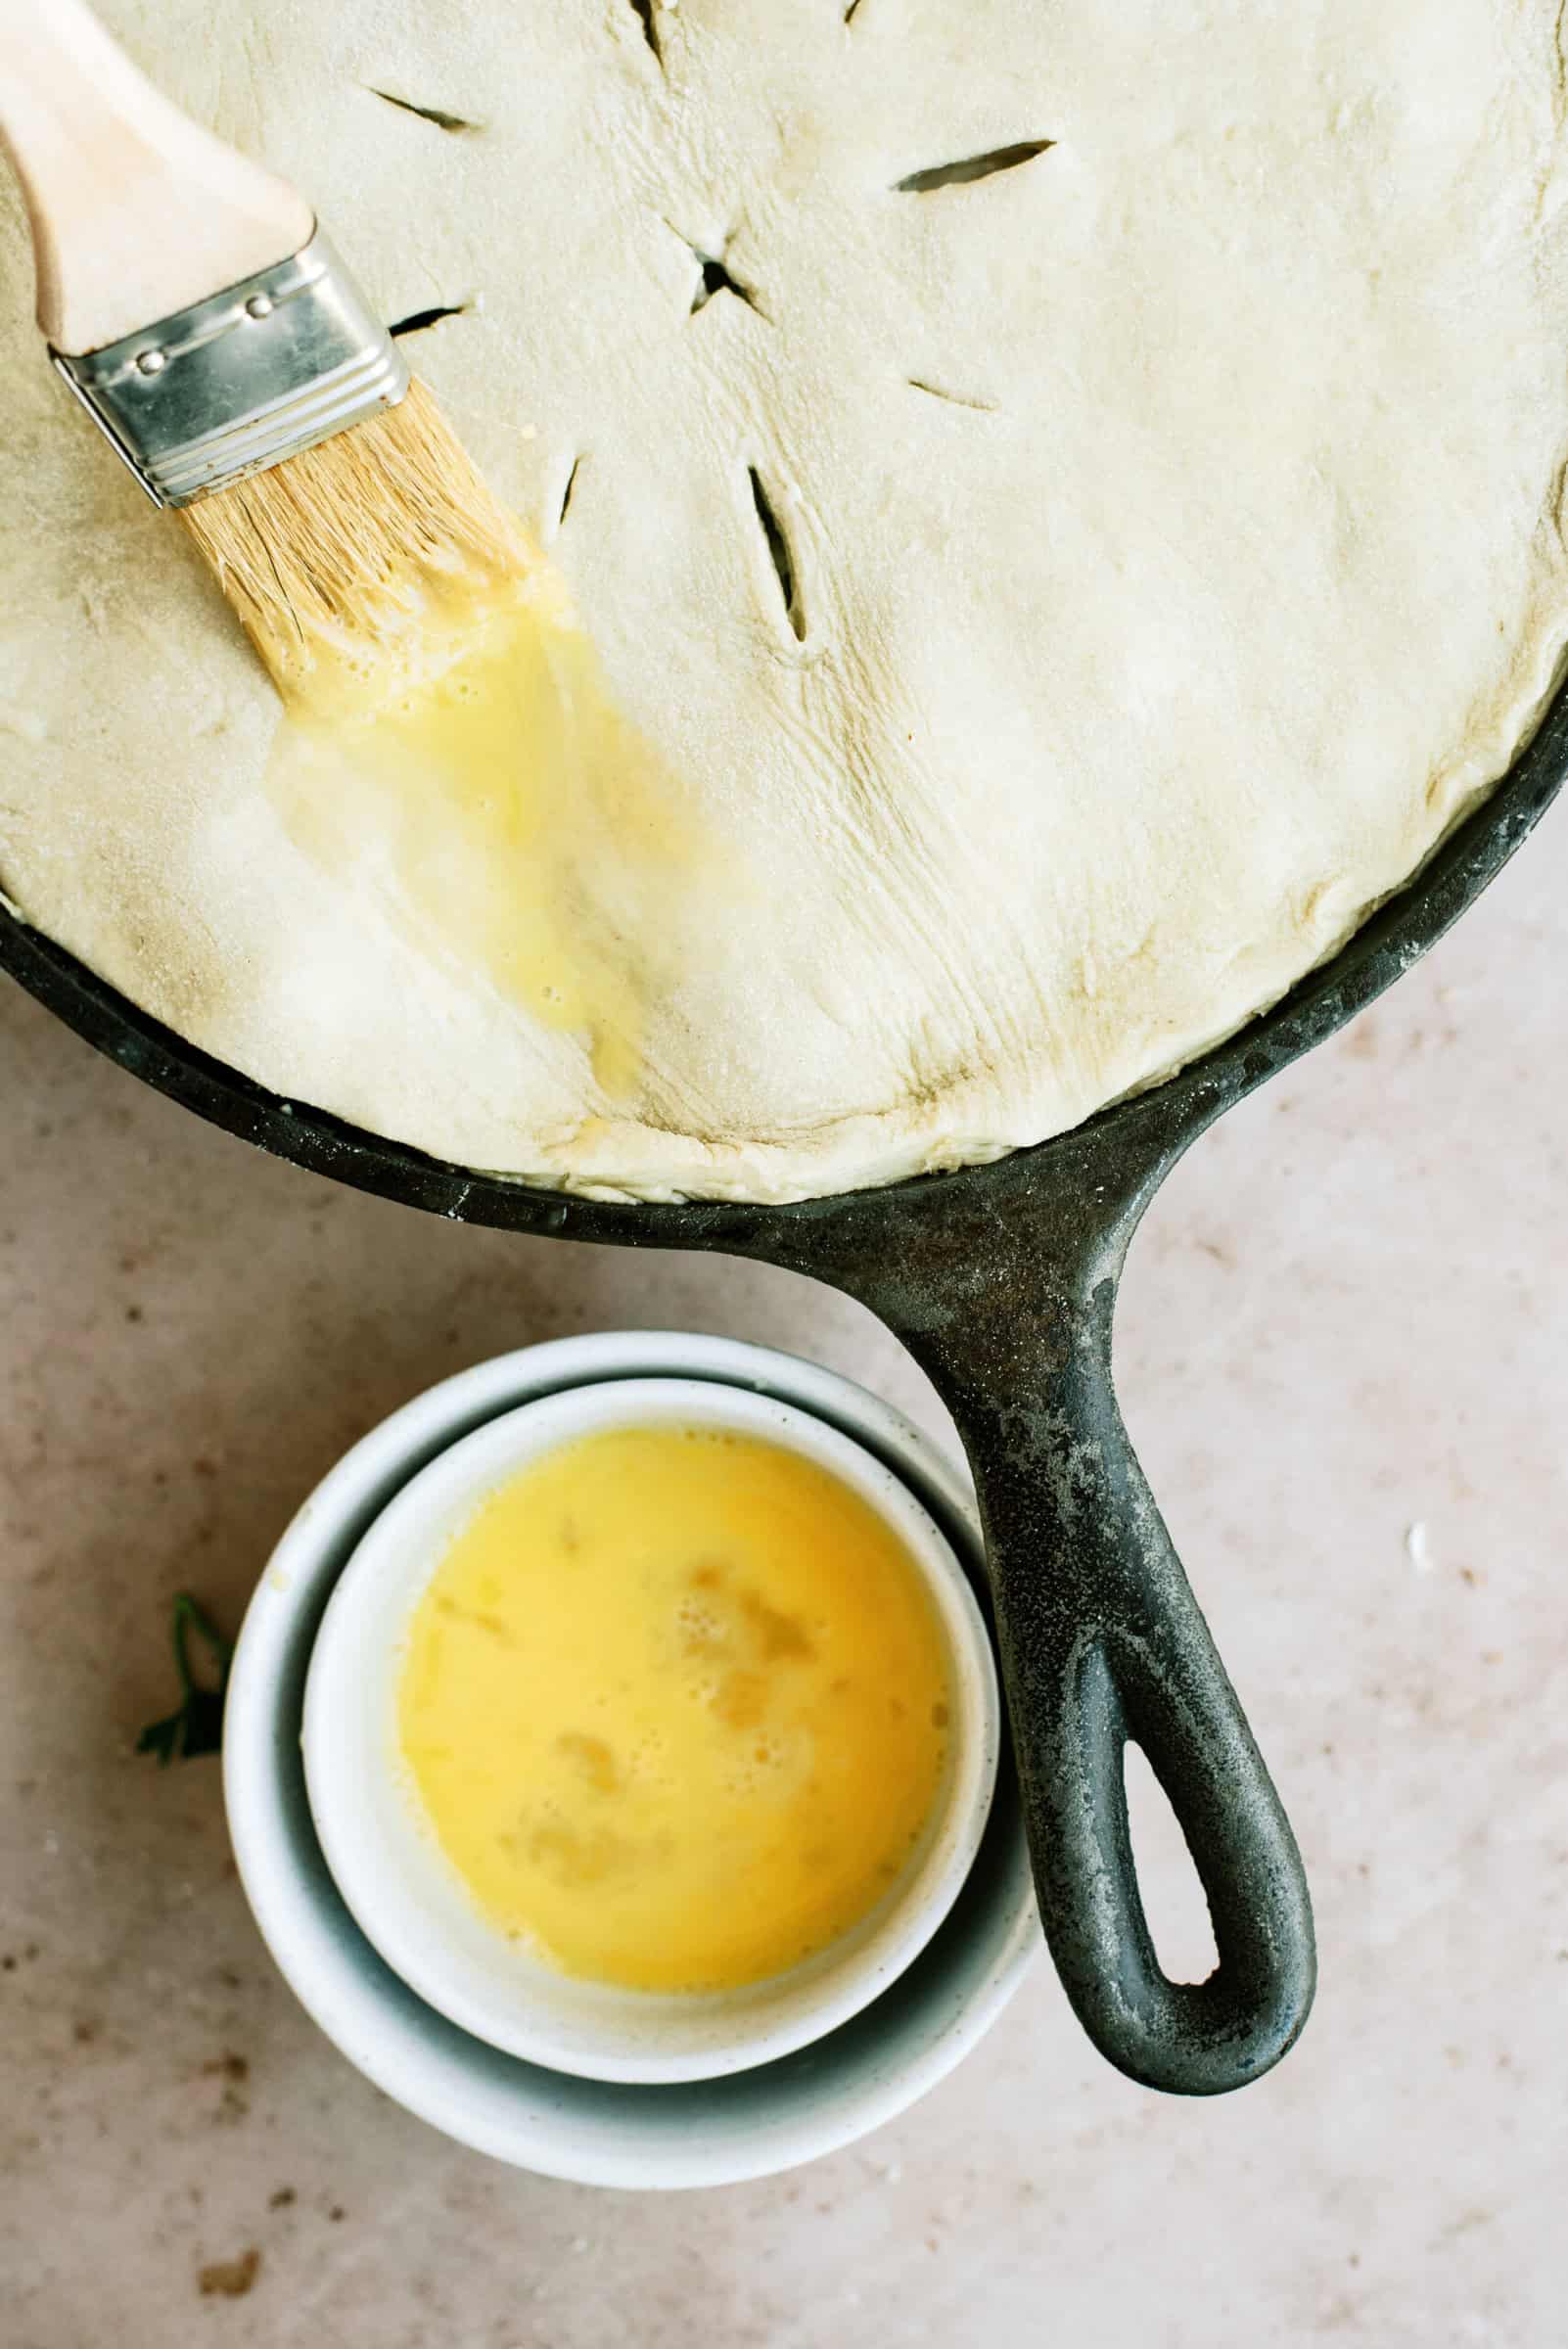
{"type": "Point", "coordinates": [479, 785]}
{"type": "Point", "coordinates": [676, 1704]}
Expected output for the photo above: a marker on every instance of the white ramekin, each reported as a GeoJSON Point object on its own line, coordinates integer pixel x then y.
{"type": "Point", "coordinates": [409, 1900]}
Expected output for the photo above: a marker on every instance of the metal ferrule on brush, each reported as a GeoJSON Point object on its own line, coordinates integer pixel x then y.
{"type": "Point", "coordinates": [239, 382]}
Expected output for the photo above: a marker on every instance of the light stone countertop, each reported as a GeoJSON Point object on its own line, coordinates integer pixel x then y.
{"type": "Point", "coordinates": [1347, 1317]}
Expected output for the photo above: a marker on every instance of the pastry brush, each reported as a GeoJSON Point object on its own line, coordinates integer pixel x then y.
{"type": "Point", "coordinates": [204, 319]}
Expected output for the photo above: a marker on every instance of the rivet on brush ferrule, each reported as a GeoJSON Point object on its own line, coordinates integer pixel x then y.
{"type": "Point", "coordinates": [239, 382]}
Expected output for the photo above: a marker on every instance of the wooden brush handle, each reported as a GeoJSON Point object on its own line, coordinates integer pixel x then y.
{"type": "Point", "coordinates": [136, 212]}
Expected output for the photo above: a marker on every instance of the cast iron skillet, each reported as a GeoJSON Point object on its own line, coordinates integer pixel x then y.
{"type": "Point", "coordinates": [1001, 1281]}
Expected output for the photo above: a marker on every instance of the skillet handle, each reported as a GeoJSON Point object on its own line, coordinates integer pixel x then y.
{"type": "Point", "coordinates": [1101, 1642]}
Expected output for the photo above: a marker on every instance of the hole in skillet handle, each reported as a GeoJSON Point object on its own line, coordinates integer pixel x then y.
{"type": "Point", "coordinates": [1174, 1899]}
{"type": "Point", "coordinates": [1101, 1641]}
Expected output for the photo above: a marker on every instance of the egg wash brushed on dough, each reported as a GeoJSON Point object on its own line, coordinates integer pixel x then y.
{"type": "Point", "coordinates": [451, 749]}
{"type": "Point", "coordinates": [478, 780]}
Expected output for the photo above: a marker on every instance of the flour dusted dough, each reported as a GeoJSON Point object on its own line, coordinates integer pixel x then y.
{"type": "Point", "coordinates": [1172, 519]}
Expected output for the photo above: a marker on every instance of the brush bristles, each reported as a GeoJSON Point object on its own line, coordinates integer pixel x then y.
{"type": "Point", "coordinates": [336, 555]}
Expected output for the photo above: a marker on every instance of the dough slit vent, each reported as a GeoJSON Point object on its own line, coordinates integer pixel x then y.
{"type": "Point", "coordinates": [644, 12]}
{"type": "Point", "coordinates": [778, 554]}
{"type": "Point", "coordinates": [417, 321]}
{"type": "Point", "coordinates": [437, 115]}
{"type": "Point", "coordinates": [972, 167]}
{"type": "Point", "coordinates": [955, 400]}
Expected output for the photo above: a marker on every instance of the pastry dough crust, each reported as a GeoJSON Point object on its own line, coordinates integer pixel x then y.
{"type": "Point", "coordinates": [1171, 522]}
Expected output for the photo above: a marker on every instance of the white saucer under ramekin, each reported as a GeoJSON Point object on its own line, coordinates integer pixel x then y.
{"type": "Point", "coordinates": [697, 2133]}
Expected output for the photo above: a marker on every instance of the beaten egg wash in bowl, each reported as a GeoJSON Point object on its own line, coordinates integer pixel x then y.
{"type": "Point", "coordinates": [677, 1706]}
{"type": "Point", "coordinates": [651, 1731]}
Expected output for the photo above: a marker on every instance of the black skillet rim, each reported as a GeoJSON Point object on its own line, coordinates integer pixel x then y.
{"type": "Point", "coordinates": [1385, 945]}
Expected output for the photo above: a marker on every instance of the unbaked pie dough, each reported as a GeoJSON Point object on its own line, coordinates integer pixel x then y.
{"type": "Point", "coordinates": [1068, 496]}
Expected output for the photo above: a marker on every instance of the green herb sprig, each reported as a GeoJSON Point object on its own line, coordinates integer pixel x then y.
{"type": "Point", "coordinates": [197, 1724]}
